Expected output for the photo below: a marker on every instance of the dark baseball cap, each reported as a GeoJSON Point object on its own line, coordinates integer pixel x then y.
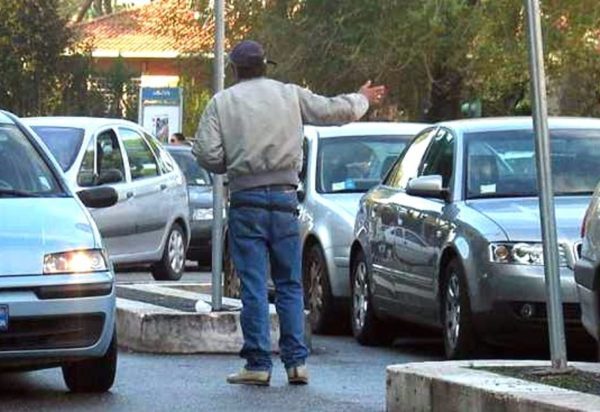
{"type": "Point", "coordinates": [248, 53]}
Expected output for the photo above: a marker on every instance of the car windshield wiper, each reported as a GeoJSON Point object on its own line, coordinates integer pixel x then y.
{"type": "Point", "coordinates": [17, 193]}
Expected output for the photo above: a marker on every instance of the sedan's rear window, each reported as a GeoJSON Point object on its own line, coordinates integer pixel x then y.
{"type": "Point", "coordinates": [502, 163]}
{"type": "Point", "coordinates": [63, 142]}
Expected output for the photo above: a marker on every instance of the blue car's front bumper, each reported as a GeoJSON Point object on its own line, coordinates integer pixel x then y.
{"type": "Point", "coordinates": [54, 319]}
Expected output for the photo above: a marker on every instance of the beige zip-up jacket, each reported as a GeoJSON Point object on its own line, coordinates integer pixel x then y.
{"type": "Point", "coordinates": [253, 130]}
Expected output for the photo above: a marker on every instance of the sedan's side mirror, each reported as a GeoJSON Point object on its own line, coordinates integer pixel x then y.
{"type": "Point", "coordinates": [427, 186]}
{"type": "Point", "coordinates": [99, 197]}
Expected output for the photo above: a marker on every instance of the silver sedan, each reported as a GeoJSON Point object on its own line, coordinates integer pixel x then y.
{"type": "Point", "coordinates": [452, 237]}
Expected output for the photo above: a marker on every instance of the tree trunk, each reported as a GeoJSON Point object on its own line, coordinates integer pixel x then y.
{"type": "Point", "coordinates": [83, 10]}
{"type": "Point", "coordinates": [108, 7]}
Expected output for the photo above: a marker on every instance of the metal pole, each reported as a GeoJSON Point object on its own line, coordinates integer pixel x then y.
{"type": "Point", "coordinates": [558, 351]}
{"type": "Point", "coordinates": [218, 189]}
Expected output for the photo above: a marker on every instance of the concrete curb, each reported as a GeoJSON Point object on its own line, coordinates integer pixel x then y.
{"type": "Point", "coordinates": [144, 327]}
{"type": "Point", "coordinates": [455, 387]}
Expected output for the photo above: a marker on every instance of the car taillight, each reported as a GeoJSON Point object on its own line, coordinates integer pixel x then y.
{"type": "Point", "coordinates": [585, 220]}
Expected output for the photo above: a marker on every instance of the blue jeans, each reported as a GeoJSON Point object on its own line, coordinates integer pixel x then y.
{"type": "Point", "coordinates": [258, 236]}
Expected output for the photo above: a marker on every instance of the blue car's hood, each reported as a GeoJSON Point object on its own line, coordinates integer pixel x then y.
{"type": "Point", "coordinates": [33, 227]}
{"type": "Point", "coordinates": [520, 218]}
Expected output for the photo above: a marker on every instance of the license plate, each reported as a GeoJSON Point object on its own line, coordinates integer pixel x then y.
{"type": "Point", "coordinates": [3, 318]}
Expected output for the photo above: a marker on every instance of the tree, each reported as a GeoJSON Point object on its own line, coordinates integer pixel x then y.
{"type": "Point", "coordinates": [32, 38]}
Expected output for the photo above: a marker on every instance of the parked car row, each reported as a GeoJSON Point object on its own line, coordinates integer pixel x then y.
{"type": "Point", "coordinates": [448, 236]}
{"type": "Point", "coordinates": [436, 225]}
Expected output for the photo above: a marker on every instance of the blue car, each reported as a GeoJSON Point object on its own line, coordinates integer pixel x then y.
{"type": "Point", "coordinates": [57, 298]}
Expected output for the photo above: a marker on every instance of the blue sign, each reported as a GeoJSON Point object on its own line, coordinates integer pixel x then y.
{"type": "Point", "coordinates": [167, 96]}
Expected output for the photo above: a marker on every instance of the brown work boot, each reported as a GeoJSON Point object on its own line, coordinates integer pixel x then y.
{"type": "Point", "coordinates": [246, 377]}
{"type": "Point", "coordinates": [297, 375]}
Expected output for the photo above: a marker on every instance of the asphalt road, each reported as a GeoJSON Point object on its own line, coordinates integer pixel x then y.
{"type": "Point", "coordinates": [344, 376]}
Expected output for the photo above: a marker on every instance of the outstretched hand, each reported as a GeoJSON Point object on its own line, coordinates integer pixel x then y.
{"type": "Point", "coordinates": [374, 94]}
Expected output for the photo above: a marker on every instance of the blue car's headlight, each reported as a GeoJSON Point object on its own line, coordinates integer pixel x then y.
{"type": "Point", "coordinates": [522, 253]}
{"type": "Point", "coordinates": [75, 262]}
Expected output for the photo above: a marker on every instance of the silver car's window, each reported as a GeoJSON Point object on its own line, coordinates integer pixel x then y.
{"type": "Point", "coordinates": [23, 172]}
{"type": "Point", "coordinates": [407, 167]}
{"type": "Point", "coordinates": [164, 160]}
{"type": "Point", "coordinates": [357, 163]}
{"type": "Point", "coordinates": [142, 162]}
{"type": "Point", "coordinates": [439, 159]}
{"type": "Point", "coordinates": [108, 166]}
{"type": "Point", "coordinates": [502, 163]}
{"type": "Point", "coordinates": [63, 142]}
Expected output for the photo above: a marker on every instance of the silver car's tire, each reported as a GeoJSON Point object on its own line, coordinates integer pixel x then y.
{"type": "Point", "coordinates": [231, 282]}
{"type": "Point", "coordinates": [93, 375]}
{"type": "Point", "coordinates": [457, 327]}
{"type": "Point", "coordinates": [317, 291]}
{"type": "Point", "coordinates": [172, 264]}
{"type": "Point", "coordinates": [366, 327]}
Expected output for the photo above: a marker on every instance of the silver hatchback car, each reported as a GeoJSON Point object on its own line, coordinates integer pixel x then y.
{"type": "Point", "coordinates": [57, 300]}
{"type": "Point", "coordinates": [150, 222]}
{"type": "Point", "coordinates": [452, 237]}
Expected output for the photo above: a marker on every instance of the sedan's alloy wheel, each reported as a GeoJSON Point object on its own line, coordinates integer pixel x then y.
{"type": "Point", "coordinates": [360, 296]}
{"type": "Point", "coordinates": [453, 319]}
{"type": "Point", "coordinates": [176, 251]}
{"type": "Point", "coordinates": [315, 291]}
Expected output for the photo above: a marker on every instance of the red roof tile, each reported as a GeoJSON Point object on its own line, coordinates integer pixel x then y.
{"type": "Point", "coordinates": [161, 27]}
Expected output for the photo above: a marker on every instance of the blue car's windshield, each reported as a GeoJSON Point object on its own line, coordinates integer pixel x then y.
{"type": "Point", "coordinates": [23, 172]}
{"type": "Point", "coordinates": [63, 142]}
{"type": "Point", "coordinates": [356, 163]}
{"type": "Point", "coordinates": [194, 174]}
{"type": "Point", "coordinates": [502, 163]}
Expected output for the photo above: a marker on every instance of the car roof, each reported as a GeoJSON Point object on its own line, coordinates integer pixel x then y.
{"type": "Point", "coordinates": [76, 121]}
{"type": "Point", "coordinates": [523, 122]}
{"type": "Point", "coordinates": [367, 129]}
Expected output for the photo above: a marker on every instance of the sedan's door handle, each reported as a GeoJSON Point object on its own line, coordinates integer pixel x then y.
{"type": "Point", "coordinates": [163, 186]}
{"type": "Point", "coordinates": [129, 195]}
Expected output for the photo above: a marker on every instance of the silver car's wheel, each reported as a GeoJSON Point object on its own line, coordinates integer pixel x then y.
{"type": "Point", "coordinates": [172, 264]}
{"type": "Point", "coordinates": [452, 324]}
{"type": "Point", "coordinates": [317, 292]}
{"type": "Point", "coordinates": [458, 334]}
{"type": "Point", "coordinates": [360, 297]}
{"type": "Point", "coordinates": [366, 327]}
{"type": "Point", "coordinates": [176, 250]}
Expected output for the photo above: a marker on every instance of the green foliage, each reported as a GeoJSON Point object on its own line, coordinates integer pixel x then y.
{"type": "Point", "coordinates": [434, 55]}
{"type": "Point", "coordinates": [196, 92]}
{"type": "Point", "coordinates": [32, 38]}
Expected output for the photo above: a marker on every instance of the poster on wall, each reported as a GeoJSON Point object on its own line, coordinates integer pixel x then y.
{"type": "Point", "coordinates": [161, 111]}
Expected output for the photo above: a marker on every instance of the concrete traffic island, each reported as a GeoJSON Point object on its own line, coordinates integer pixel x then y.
{"type": "Point", "coordinates": [176, 319]}
{"type": "Point", "coordinates": [457, 387]}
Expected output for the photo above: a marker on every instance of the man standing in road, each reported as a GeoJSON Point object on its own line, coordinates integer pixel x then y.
{"type": "Point", "coordinates": [253, 132]}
